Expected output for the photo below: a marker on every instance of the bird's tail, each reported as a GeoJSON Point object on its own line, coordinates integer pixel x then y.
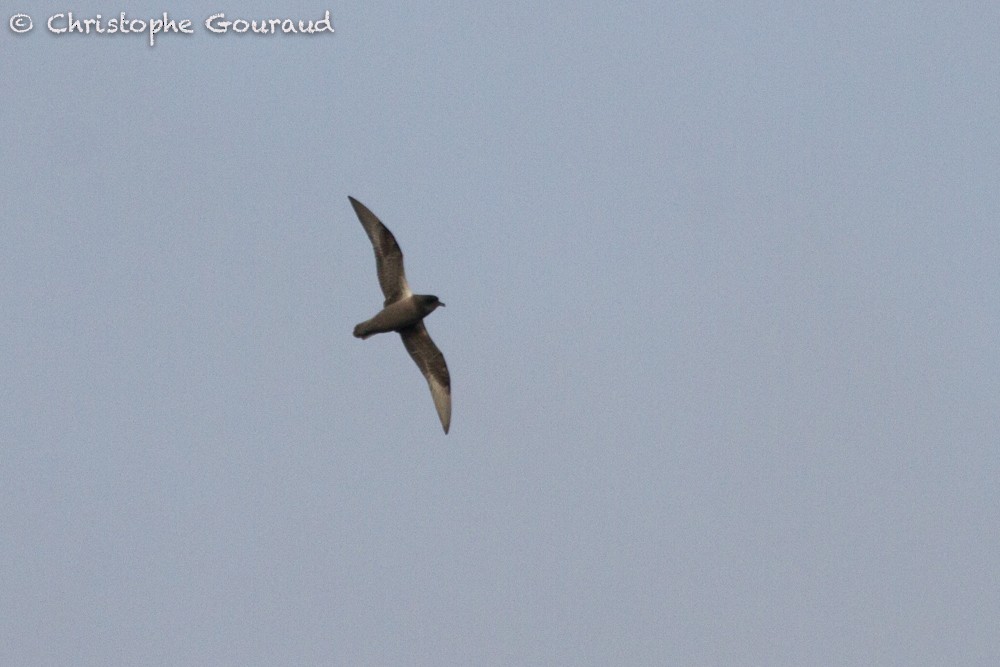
{"type": "Point", "coordinates": [363, 331]}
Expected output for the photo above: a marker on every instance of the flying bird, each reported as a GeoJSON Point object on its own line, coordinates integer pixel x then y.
{"type": "Point", "coordinates": [404, 312]}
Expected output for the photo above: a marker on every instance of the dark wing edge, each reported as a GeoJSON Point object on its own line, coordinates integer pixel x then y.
{"type": "Point", "coordinates": [431, 363]}
{"type": "Point", "coordinates": [388, 255]}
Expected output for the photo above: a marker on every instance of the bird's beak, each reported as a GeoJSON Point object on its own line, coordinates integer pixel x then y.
{"type": "Point", "coordinates": [440, 303]}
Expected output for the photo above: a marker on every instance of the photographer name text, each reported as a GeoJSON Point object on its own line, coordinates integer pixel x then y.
{"type": "Point", "coordinates": [68, 23]}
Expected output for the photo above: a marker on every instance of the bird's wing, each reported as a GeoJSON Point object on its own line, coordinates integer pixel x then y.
{"type": "Point", "coordinates": [431, 363]}
{"type": "Point", "coordinates": [388, 256]}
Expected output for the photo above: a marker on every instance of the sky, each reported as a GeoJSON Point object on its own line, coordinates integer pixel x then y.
{"type": "Point", "coordinates": [723, 293]}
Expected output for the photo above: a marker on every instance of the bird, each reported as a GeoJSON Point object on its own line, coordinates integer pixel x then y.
{"type": "Point", "coordinates": [404, 312]}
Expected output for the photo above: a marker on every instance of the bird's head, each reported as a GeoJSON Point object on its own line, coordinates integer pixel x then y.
{"type": "Point", "coordinates": [430, 302]}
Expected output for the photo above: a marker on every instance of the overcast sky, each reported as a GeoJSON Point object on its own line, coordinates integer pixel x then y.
{"type": "Point", "coordinates": [723, 293]}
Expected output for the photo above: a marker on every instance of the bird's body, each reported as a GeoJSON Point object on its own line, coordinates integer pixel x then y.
{"type": "Point", "coordinates": [398, 315]}
{"type": "Point", "coordinates": [404, 312]}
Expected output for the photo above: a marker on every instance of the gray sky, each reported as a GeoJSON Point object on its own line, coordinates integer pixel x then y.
{"type": "Point", "coordinates": [722, 288]}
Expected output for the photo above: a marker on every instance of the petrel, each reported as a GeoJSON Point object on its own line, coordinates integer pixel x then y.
{"type": "Point", "coordinates": [404, 312]}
